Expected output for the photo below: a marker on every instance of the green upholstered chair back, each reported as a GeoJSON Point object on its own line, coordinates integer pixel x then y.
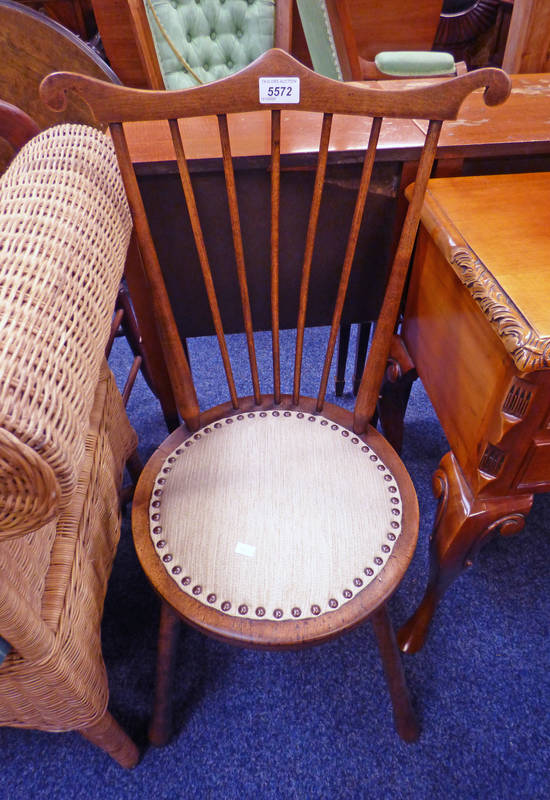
{"type": "Point", "coordinates": [198, 41]}
{"type": "Point", "coordinates": [319, 33]}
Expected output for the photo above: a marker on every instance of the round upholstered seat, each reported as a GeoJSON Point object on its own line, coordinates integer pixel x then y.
{"type": "Point", "coordinates": [274, 516]}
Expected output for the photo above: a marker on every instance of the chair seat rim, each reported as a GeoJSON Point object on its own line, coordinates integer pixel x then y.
{"type": "Point", "coordinates": [261, 633]}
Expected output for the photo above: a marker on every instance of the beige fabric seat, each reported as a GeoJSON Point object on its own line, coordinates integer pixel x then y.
{"type": "Point", "coordinates": [275, 514]}
{"type": "Point", "coordinates": [276, 520]}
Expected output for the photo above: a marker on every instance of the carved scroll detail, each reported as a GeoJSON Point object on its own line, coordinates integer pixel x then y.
{"type": "Point", "coordinates": [508, 525]}
{"type": "Point", "coordinates": [528, 350]}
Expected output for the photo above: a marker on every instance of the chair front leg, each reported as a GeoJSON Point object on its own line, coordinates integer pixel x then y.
{"type": "Point", "coordinates": [160, 728]}
{"type": "Point", "coordinates": [403, 714]}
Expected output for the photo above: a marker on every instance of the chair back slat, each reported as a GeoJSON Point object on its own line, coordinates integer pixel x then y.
{"type": "Point", "coordinates": [178, 366]}
{"type": "Point", "coordinates": [200, 245]}
{"type": "Point", "coordinates": [239, 250]}
{"type": "Point", "coordinates": [275, 217]}
{"type": "Point", "coordinates": [308, 250]}
{"type": "Point", "coordinates": [358, 212]}
{"type": "Point", "coordinates": [367, 395]}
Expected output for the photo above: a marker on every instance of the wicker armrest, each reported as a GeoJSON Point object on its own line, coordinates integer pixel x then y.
{"type": "Point", "coordinates": [64, 232]}
{"type": "Point", "coordinates": [29, 490]}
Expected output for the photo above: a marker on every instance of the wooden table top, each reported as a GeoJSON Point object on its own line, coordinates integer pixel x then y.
{"type": "Point", "coordinates": [150, 143]}
{"type": "Point", "coordinates": [495, 231]}
{"type": "Point", "coordinates": [519, 126]}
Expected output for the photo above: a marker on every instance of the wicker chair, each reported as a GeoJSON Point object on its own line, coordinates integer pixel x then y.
{"type": "Point", "coordinates": [64, 434]}
{"type": "Point", "coordinates": [32, 46]}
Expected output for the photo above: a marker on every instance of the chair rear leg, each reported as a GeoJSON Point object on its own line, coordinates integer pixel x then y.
{"type": "Point", "coordinates": [343, 347]}
{"type": "Point", "coordinates": [107, 734]}
{"type": "Point", "coordinates": [403, 715]}
{"type": "Point", "coordinates": [362, 347]}
{"type": "Point", "coordinates": [160, 728]}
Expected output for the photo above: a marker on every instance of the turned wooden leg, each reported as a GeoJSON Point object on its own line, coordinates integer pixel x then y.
{"type": "Point", "coordinates": [343, 346]}
{"type": "Point", "coordinates": [361, 354]}
{"type": "Point", "coordinates": [107, 734]}
{"type": "Point", "coordinates": [394, 394]}
{"type": "Point", "coordinates": [463, 524]}
{"type": "Point", "coordinates": [160, 728]}
{"type": "Point", "coordinates": [403, 715]}
{"type": "Point", "coordinates": [134, 465]}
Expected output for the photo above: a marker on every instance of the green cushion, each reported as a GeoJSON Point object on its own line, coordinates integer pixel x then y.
{"type": "Point", "coordinates": [214, 37]}
{"type": "Point", "coordinates": [320, 41]}
{"type": "Point", "coordinates": [415, 63]}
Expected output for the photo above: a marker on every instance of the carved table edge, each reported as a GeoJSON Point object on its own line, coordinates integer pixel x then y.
{"type": "Point", "coordinates": [527, 348]}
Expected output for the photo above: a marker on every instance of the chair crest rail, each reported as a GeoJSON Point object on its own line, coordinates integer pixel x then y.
{"type": "Point", "coordinates": [317, 93]}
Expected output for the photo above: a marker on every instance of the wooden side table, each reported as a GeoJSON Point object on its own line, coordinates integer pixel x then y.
{"type": "Point", "coordinates": [477, 330]}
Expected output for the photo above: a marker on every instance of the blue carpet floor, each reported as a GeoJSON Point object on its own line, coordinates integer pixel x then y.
{"type": "Point", "coordinates": [317, 723]}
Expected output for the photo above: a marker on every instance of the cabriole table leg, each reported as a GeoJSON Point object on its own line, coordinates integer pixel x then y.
{"type": "Point", "coordinates": [463, 524]}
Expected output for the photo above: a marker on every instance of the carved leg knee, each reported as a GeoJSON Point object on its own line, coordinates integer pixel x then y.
{"type": "Point", "coordinates": [463, 524]}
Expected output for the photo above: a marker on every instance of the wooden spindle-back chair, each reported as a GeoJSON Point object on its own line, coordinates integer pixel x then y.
{"type": "Point", "coordinates": [275, 520]}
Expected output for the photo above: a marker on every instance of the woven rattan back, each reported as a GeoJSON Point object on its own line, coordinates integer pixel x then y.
{"type": "Point", "coordinates": [59, 272]}
{"type": "Point", "coordinates": [281, 87]}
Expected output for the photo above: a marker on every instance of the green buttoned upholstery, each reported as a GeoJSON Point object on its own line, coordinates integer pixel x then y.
{"type": "Point", "coordinates": [214, 37]}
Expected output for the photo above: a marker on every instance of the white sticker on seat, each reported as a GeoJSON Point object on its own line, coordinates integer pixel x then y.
{"type": "Point", "coordinates": [245, 549]}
